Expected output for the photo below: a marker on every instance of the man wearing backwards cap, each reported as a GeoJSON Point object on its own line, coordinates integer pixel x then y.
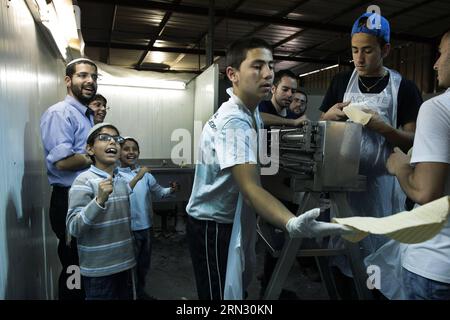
{"type": "Point", "coordinates": [64, 128]}
{"type": "Point", "coordinates": [394, 103]}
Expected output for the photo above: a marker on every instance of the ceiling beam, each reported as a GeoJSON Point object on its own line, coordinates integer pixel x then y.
{"type": "Point", "coordinates": [156, 35]}
{"type": "Point", "coordinates": [410, 8]}
{"type": "Point", "coordinates": [111, 30]}
{"type": "Point", "coordinates": [220, 53]}
{"type": "Point", "coordinates": [197, 42]}
{"type": "Point", "coordinates": [219, 20]}
{"type": "Point", "coordinates": [280, 14]}
{"type": "Point", "coordinates": [443, 17]}
{"type": "Point", "coordinates": [203, 11]}
{"type": "Point", "coordinates": [327, 20]}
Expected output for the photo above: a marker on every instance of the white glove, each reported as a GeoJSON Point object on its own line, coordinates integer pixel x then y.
{"type": "Point", "coordinates": [305, 226]}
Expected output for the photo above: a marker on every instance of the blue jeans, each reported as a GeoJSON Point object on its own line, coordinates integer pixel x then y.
{"type": "Point", "coordinates": [116, 286]}
{"type": "Point", "coordinates": [420, 288]}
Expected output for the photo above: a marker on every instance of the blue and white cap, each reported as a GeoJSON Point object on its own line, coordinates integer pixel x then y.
{"type": "Point", "coordinates": [99, 126]}
{"type": "Point", "coordinates": [131, 139]}
{"type": "Point", "coordinates": [375, 24]}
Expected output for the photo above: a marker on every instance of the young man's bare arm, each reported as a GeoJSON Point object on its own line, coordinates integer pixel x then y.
{"type": "Point", "coordinates": [75, 162]}
{"type": "Point", "coordinates": [273, 211]}
{"type": "Point", "coordinates": [402, 138]}
{"type": "Point", "coordinates": [423, 183]}
{"type": "Point", "coordinates": [267, 206]}
{"type": "Point", "coordinates": [335, 113]}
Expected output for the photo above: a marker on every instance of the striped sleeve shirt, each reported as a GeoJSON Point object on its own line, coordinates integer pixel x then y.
{"type": "Point", "coordinates": [104, 237]}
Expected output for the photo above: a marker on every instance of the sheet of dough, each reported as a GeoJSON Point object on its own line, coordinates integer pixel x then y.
{"type": "Point", "coordinates": [414, 226]}
{"type": "Point", "coordinates": [354, 113]}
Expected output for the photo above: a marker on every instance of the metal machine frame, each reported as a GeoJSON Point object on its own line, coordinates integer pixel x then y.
{"type": "Point", "coordinates": [318, 157]}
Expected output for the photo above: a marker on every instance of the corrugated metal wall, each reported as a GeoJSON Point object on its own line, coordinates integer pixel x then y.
{"type": "Point", "coordinates": [320, 80]}
{"type": "Point", "coordinates": [30, 81]}
{"type": "Point", "coordinates": [415, 62]}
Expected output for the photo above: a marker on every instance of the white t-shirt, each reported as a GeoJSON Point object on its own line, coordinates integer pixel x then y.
{"type": "Point", "coordinates": [431, 259]}
{"type": "Point", "coordinates": [228, 139]}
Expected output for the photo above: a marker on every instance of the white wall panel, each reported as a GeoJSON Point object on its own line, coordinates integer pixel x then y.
{"type": "Point", "coordinates": [150, 115]}
{"type": "Point", "coordinates": [205, 103]}
{"type": "Point", "coordinates": [30, 81]}
{"type": "Point", "coordinates": [206, 94]}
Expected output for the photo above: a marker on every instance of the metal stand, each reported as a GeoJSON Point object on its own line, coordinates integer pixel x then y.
{"type": "Point", "coordinates": [317, 157]}
{"type": "Point", "coordinates": [290, 251]}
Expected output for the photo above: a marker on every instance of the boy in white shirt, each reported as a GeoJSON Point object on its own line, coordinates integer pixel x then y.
{"type": "Point", "coordinates": [228, 172]}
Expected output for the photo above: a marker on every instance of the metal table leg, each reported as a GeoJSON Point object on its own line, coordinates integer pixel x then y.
{"type": "Point", "coordinates": [353, 249]}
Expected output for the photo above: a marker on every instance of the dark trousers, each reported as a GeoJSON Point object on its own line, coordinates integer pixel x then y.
{"type": "Point", "coordinates": [208, 245]}
{"type": "Point", "coordinates": [68, 255]}
{"type": "Point", "coordinates": [143, 247]}
{"type": "Point", "coordinates": [117, 286]}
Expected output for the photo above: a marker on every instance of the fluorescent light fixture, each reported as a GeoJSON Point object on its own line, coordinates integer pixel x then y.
{"type": "Point", "coordinates": [157, 56]}
{"type": "Point", "coordinates": [318, 70]}
{"type": "Point", "coordinates": [142, 83]}
{"type": "Point", "coordinates": [50, 20]}
{"type": "Point", "coordinates": [77, 12]}
{"type": "Point", "coordinates": [67, 23]}
{"type": "Point", "coordinates": [58, 18]}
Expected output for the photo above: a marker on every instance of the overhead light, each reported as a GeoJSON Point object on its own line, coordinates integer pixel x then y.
{"type": "Point", "coordinates": [67, 23]}
{"type": "Point", "coordinates": [77, 12]}
{"type": "Point", "coordinates": [157, 56]}
{"type": "Point", "coordinates": [318, 70]}
{"type": "Point", "coordinates": [49, 19]}
{"type": "Point", "coordinates": [58, 18]}
{"type": "Point", "coordinates": [142, 83]}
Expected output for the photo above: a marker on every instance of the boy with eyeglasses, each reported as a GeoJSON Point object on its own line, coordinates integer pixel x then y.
{"type": "Point", "coordinates": [99, 217]}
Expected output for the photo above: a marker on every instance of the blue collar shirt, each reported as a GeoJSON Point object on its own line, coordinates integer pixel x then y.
{"type": "Point", "coordinates": [144, 192]}
{"type": "Point", "coordinates": [64, 130]}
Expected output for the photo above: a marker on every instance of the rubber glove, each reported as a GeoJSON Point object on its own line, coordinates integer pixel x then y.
{"type": "Point", "coordinates": [305, 226]}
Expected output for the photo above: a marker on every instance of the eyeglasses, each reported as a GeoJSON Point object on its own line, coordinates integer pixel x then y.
{"type": "Point", "coordinates": [85, 75]}
{"type": "Point", "coordinates": [107, 138]}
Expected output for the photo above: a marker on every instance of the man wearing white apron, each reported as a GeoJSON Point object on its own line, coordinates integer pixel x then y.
{"type": "Point", "coordinates": [227, 186]}
{"type": "Point", "coordinates": [393, 103]}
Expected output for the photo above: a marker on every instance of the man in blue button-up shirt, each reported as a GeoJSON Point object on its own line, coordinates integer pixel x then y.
{"type": "Point", "coordinates": [64, 128]}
